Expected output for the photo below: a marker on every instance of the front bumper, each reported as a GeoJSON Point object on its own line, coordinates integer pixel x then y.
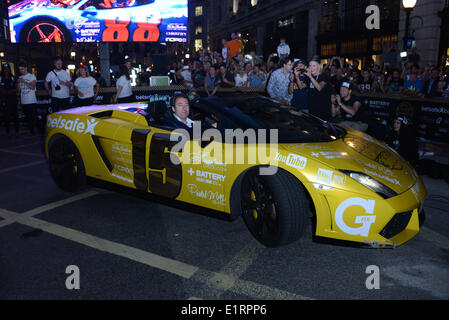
{"type": "Point", "coordinates": [372, 222]}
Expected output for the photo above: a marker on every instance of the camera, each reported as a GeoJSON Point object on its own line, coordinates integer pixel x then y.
{"type": "Point", "coordinates": [303, 70]}
{"type": "Point", "coordinates": [57, 87]}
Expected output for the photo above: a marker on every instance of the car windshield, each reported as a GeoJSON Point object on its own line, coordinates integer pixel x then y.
{"type": "Point", "coordinates": [293, 126]}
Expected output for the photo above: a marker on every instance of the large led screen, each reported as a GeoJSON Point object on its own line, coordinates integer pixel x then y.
{"type": "Point", "coordinates": [98, 20]}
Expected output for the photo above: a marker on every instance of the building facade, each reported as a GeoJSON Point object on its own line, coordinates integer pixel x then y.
{"type": "Point", "coordinates": [330, 27]}
{"type": "Point", "coordinates": [262, 23]}
{"type": "Point", "coordinates": [198, 24]}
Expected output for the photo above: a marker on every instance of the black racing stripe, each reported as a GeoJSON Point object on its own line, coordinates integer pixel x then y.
{"type": "Point", "coordinates": [139, 142]}
{"type": "Point", "coordinates": [100, 150]}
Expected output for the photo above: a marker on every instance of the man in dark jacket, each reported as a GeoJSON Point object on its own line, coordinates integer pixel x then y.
{"type": "Point", "coordinates": [431, 86]}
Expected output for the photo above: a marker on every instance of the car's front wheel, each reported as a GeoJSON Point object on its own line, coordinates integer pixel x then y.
{"type": "Point", "coordinates": [66, 164]}
{"type": "Point", "coordinates": [274, 207]}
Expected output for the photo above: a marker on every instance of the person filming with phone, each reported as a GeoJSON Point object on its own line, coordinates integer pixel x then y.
{"type": "Point", "coordinates": [298, 86]}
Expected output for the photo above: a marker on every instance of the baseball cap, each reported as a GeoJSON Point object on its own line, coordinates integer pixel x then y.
{"type": "Point", "coordinates": [346, 85]}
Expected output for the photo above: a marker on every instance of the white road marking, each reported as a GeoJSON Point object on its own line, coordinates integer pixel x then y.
{"type": "Point", "coordinates": [215, 280]}
{"type": "Point", "coordinates": [30, 164]}
{"type": "Point", "coordinates": [60, 203]}
{"type": "Point", "coordinates": [179, 268]}
{"type": "Point", "coordinates": [11, 216]}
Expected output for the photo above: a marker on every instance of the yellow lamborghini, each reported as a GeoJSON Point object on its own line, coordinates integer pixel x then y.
{"type": "Point", "coordinates": [354, 189]}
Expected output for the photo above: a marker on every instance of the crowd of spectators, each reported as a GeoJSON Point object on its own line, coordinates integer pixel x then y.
{"type": "Point", "coordinates": [331, 91]}
{"type": "Point", "coordinates": [328, 91]}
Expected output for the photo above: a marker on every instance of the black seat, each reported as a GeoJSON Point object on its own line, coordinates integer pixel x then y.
{"type": "Point", "coordinates": [156, 112]}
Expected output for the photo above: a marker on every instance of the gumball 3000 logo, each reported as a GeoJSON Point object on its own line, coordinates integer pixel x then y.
{"type": "Point", "coordinates": [365, 221]}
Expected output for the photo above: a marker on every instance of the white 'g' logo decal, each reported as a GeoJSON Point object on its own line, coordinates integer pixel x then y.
{"type": "Point", "coordinates": [366, 221]}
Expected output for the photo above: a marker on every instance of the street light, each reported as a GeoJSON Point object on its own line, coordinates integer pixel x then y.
{"type": "Point", "coordinates": [408, 6]}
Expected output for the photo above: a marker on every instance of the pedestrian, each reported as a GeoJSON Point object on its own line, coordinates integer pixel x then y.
{"type": "Point", "coordinates": [279, 82]}
{"type": "Point", "coordinates": [26, 85]}
{"type": "Point", "coordinates": [402, 139]}
{"type": "Point", "coordinates": [235, 45]}
{"type": "Point", "coordinates": [413, 86]}
{"type": "Point", "coordinates": [124, 90]}
{"type": "Point", "coordinates": [86, 88]}
{"type": "Point", "coordinates": [225, 78]}
{"type": "Point", "coordinates": [298, 86]}
{"type": "Point", "coordinates": [349, 108]}
{"type": "Point", "coordinates": [319, 90]}
{"type": "Point", "coordinates": [210, 82]}
{"type": "Point", "coordinates": [431, 85]}
{"type": "Point", "coordinates": [257, 78]}
{"type": "Point", "coordinates": [8, 99]}
{"type": "Point", "coordinates": [241, 78]}
{"type": "Point", "coordinates": [283, 49]}
{"type": "Point", "coordinates": [394, 83]}
{"type": "Point", "coordinates": [366, 82]}
{"type": "Point", "coordinates": [60, 86]}
{"type": "Point", "coordinates": [186, 74]}
{"type": "Point", "coordinates": [224, 50]}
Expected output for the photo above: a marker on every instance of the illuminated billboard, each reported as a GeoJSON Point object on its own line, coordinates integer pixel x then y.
{"type": "Point", "coordinates": [98, 20]}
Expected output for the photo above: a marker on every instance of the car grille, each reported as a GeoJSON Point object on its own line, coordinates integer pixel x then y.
{"type": "Point", "coordinates": [396, 225]}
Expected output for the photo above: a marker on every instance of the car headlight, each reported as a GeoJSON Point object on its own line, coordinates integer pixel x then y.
{"type": "Point", "coordinates": [371, 183]}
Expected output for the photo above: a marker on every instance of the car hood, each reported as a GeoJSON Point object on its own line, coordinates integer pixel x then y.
{"type": "Point", "coordinates": [359, 152]}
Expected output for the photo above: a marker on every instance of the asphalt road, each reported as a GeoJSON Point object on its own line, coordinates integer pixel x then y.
{"type": "Point", "coordinates": [127, 247]}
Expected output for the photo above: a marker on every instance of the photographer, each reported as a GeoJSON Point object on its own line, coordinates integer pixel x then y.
{"type": "Point", "coordinates": [60, 86]}
{"type": "Point", "coordinates": [298, 86]}
{"type": "Point", "coordinates": [348, 108]}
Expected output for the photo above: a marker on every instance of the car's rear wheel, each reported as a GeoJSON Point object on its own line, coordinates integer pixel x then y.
{"type": "Point", "coordinates": [66, 164]}
{"type": "Point", "coordinates": [274, 207]}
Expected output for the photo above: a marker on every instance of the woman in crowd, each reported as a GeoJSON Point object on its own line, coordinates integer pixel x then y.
{"type": "Point", "coordinates": [241, 78]}
{"type": "Point", "coordinates": [402, 138]}
{"type": "Point", "coordinates": [124, 90]}
{"type": "Point", "coordinates": [8, 98]}
{"type": "Point", "coordinates": [319, 90]}
{"type": "Point", "coordinates": [86, 88]}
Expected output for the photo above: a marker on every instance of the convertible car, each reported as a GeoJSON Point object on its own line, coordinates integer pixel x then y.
{"type": "Point", "coordinates": [352, 188]}
{"type": "Point", "coordinates": [97, 20]}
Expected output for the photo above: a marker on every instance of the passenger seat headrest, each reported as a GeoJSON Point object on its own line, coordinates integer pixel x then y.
{"type": "Point", "coordinates": [157, 110]}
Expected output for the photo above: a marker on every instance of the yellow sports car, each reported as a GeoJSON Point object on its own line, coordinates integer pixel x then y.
{"type": "Point", "coordinates": [277, 168]}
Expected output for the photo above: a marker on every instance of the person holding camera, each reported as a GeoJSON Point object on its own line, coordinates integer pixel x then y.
{"type": "Point", "coordinates": [298, 86]}
{"type": "Point", "coordinates": [60, 86]}
{"type": "Point", "coordinates": [348, 108]}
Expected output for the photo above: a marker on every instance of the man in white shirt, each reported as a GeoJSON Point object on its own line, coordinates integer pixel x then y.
{"type": "Point", "coordinates": [60, 86]}
{"type": "Point", "coordinates": [26, 85]}
{"type": "Point", "coordinates": [283, 49]}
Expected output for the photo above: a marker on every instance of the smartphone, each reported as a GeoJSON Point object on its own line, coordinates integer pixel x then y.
{"type": "Point", "coordinates": [275, 54]}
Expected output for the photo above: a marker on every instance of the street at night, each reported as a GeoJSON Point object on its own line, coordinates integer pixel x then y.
{"type": "Point", "coordinates": [128, 247]}
{"type": "Point", "coordinates": [224, 159]}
